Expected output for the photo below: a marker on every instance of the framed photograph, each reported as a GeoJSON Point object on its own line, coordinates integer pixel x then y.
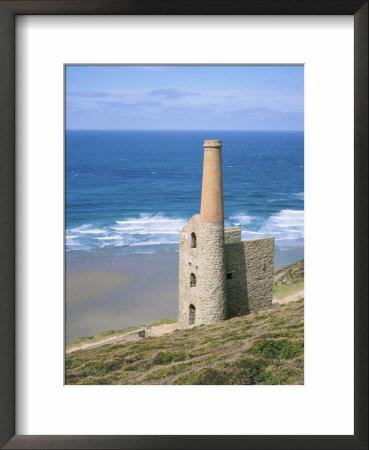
{"type": "Point", "coordinates": [184, 225]}
{"type": "Point", "coordinates": [137, 249]}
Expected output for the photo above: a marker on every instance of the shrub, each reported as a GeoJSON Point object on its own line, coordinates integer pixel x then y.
{"type": "Point", "coordinates": [282, 349]}
{"type": "Point", "coordinates": [281, 375]}
{"type": "Point", "coordinates": [208, 376]}
{"type": "Point", "coordinates": [98, 368]}
{"type": "Point", "coordinates": [163, 358]}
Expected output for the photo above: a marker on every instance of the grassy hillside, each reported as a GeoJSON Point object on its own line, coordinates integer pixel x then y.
{"type": "Point", "coordinates": [289, 274]}
{"type": "Point", "coordinates": [262, 348]}
{"type": "Point", "coordinates": [288, 280]}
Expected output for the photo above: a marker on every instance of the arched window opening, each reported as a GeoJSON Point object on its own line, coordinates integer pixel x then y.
{"type": "Point", "coordinates": [192, 313]}
{"type": "Point", "coordinates": [192, 280]}
{"type": "Point", "coordinates": [193, 240]}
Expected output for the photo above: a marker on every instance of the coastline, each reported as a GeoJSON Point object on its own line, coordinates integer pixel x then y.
{"type": "Point", "coordinates": [148, 293]}
{"type": "Point", "coordinates": [114, 292]}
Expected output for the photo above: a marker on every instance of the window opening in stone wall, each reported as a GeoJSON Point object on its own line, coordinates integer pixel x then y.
{"type": "Point", "coordinates": [192, 313]}
{"type": "Point", "coordinates": [229, 275]}
{"type": "Point", "coordinates": [192, 280]}
{"type": "Point", "coordinates": [193, 240]}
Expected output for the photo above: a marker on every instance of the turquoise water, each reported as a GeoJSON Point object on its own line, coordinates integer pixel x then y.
{"type": "Point", "coordinates": [132, 191]}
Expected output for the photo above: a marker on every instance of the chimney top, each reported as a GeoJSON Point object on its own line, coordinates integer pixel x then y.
{"type": "Point", "coordinates": [212, 185]}
{"type": "Point", "coordinates": [213, 143]}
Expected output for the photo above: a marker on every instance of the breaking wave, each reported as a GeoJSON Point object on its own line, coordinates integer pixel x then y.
{"type": "Point", "coordinates": [146, 230]}
{"type": "Point", "coordinates": [287, 227]}
{"type": "Point", "coordinates": [240, 219]}
{"type": "Point", "coordinates": [157, 232]}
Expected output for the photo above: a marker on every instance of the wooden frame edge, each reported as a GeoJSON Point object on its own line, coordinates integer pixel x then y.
{"type": "Point", "coordinates": [8, 11]}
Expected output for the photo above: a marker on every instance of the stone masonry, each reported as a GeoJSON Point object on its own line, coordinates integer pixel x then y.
{"type": "Point", "coordinates": [220, 276]}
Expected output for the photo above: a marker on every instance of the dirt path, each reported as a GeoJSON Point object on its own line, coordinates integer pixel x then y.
{"type": "Point", "coordinates": [140, 333]}
{"type": "Point", "coordinates": [290, 298]}
{"type": "Point", "coordinates": [160, 330]}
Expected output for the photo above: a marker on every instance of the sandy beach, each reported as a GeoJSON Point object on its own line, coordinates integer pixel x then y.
{"type": "Point", "coordinates": [117, 292]}
{"type": "Point", "coordinates": [113, 292]}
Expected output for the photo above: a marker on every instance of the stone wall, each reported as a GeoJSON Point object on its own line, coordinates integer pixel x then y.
{"type": "Point", "coordinates": [187, 265]}
{"type": "Point", "coordinates": [206, 263]}
{"type": "Point", "coordinates": [232, 235]}
{"type": "Point", "coordinates": [249, 275]}
{"type": "Point", "coordinates": [236, 281]}
{"type": "Point", "coordinates": [221, 276]}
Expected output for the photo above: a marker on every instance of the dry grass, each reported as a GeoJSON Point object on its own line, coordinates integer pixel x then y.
{"type": "Point", "coordinates": [282, 291]}
{"type": "Point", "coordinates": [261, 348]}
{"type": "Point", "coordinates": [99, 337]}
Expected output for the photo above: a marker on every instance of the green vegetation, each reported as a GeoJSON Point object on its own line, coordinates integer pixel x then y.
{"type": "Point", "coordinates": [281, 349]}
{"type": "Point", "coordinates": [261, 348]}
{"type": "Point", "coordinates": [282, 290]}
{"type": "Point", "coordinates": [207, 375]}
{"type": "Point", "coordinates": [163, 321]}
{"type": "Point", "coordinates": [116, 333]}
{"type": "Point", "coordinates": [266, 347]}
{"type": "Point", "coordinates": [168, 357]}
{"type": "Point", "coordinates": [99, 337]}
{"type": "Point", "coordinates": [289, 274]}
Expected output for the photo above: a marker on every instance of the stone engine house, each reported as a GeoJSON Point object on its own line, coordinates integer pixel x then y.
{"type": "Point", "coordinates": [220, 276]}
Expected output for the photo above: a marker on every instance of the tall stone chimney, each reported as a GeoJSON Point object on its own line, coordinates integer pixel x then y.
{"type": "Point", "coordinates": [202, 275]}
{"type": "Point", "coordinates": [212, 183]}
{"type": "Point", "coordinates": [206, 293]}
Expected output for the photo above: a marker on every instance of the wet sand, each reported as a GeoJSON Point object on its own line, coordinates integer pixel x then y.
{"type": "Point", "coordinates": [113, 292]}
{"type": "Point", "coordinates": [83, 285]}
{"type": "Point", "coordinates": [117, 292]}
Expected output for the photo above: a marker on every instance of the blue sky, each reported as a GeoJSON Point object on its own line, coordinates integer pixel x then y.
{"type": "Point", "coordinates": [185, 97]}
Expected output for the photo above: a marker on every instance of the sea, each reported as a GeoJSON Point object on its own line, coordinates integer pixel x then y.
{"type": "Point", "coordinates": [132, 191]}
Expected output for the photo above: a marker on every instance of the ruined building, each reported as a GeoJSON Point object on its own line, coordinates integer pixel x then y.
{"type": "Point", "coordinates": [220, 276]}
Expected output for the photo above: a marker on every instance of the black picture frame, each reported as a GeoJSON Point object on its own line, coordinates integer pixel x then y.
{"type": "Point", "coordinates": [8, 12]}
